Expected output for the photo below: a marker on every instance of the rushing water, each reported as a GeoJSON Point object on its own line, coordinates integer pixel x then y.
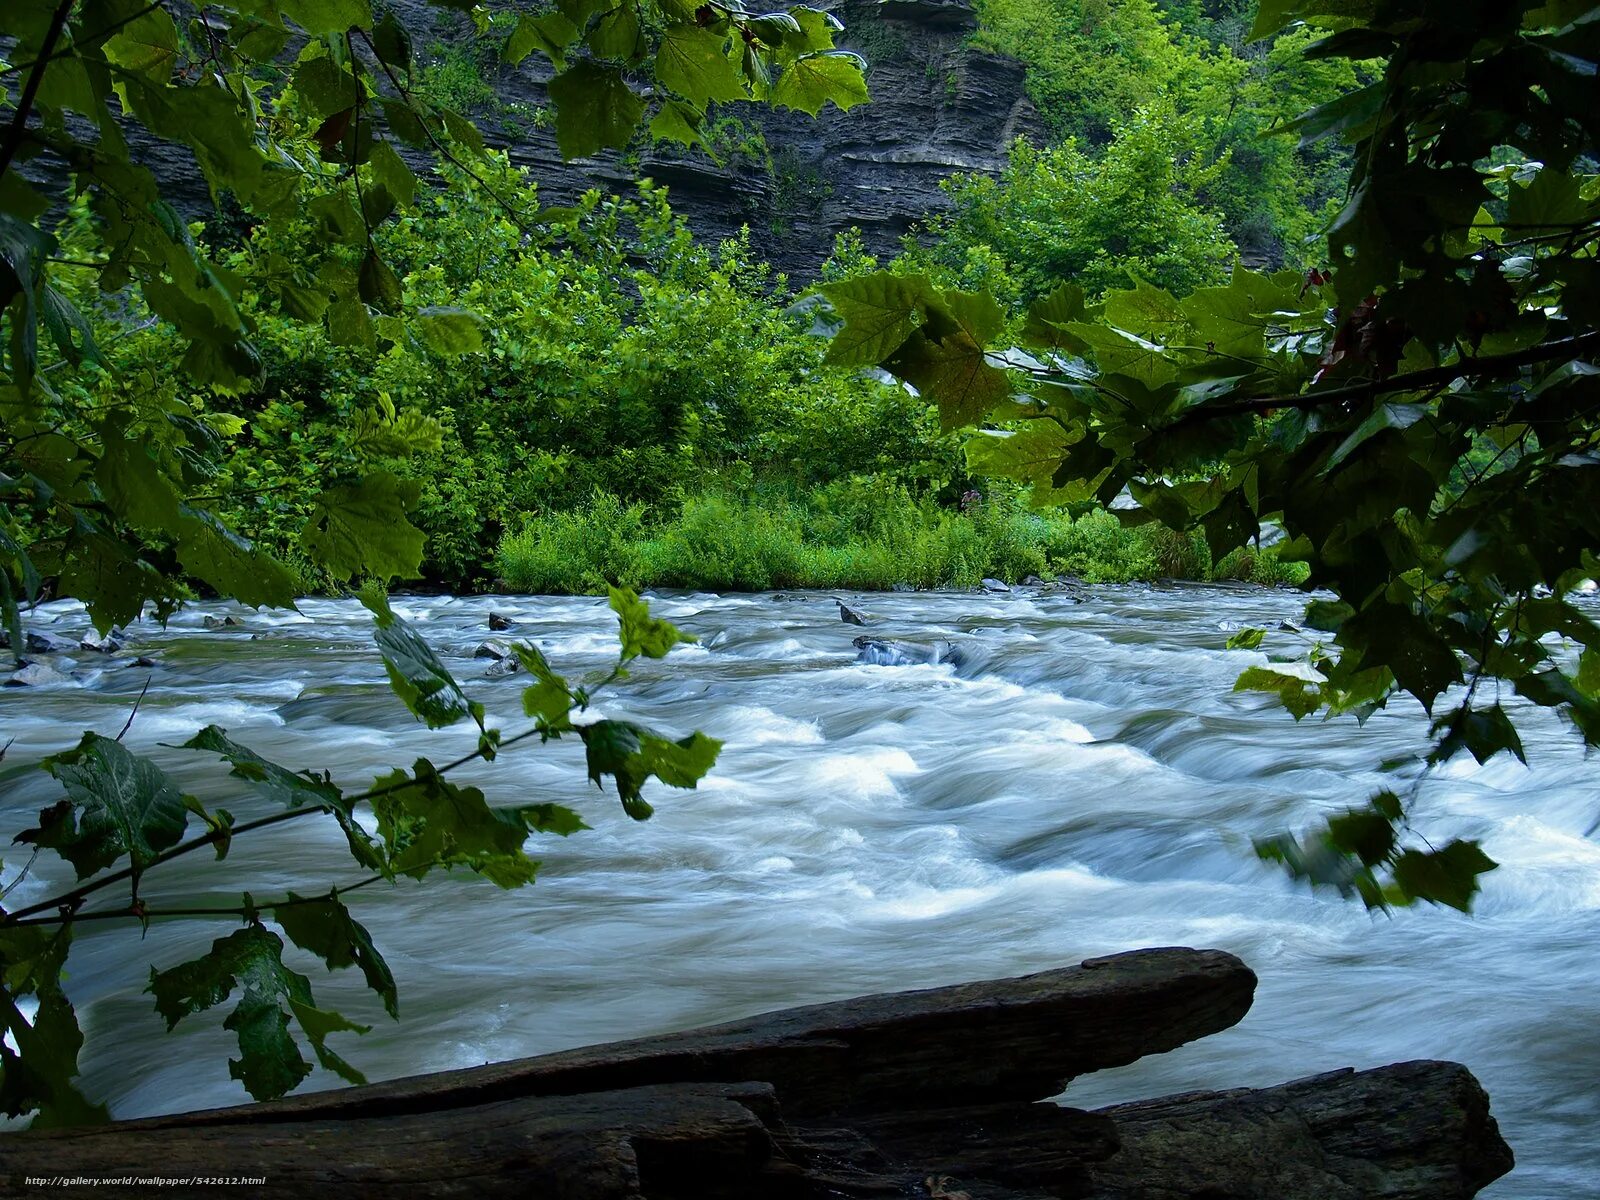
{"type": "Point", "coordinates": [1085, 782]}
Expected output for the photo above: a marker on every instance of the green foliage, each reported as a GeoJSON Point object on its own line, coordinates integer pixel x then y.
{"type": "Point", "coordinates": [155, 380]}
{"type": "Point", "coordinates": [1091, 63]}
{"type": "Point", "coordinates": [122, 806]}
{"type": "Point", "coordinates": [1135, 211]}
{"type": "Point", "coordinates": [861, 534]}
{"type": "Point", "coordinates": [1460, 311]}
{"type": "Point", "coordinates": [595, 373]}
{"type": "Point", "coordinates": [305, 147]}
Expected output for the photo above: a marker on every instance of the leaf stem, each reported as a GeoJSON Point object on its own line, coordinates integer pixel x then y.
{"type": "Point", "coordinates": [68, 901]}
{"type": "Point", "coordinates": [136, 912]}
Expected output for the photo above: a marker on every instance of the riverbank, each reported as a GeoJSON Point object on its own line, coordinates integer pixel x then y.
{"type": "Point", "coordinates": [719, 543]}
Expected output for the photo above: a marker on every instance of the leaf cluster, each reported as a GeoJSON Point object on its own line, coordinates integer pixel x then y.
{"type": "Point", "coordinates": [1420, 419]}
{"type": "Point", "coordinates": [123, 815]}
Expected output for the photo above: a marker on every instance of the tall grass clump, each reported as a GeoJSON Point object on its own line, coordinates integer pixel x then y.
{"type": "Point", "coordinates": [856, 534]}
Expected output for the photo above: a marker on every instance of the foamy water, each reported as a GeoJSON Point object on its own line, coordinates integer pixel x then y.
{"type": "Point", "coordinates": [1085, 783]}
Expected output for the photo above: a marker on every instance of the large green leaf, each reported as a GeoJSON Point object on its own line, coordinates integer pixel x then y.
{"type": "Point", "coordinates": [812, 80]}
{"type": "Point", "coordinates": [632, 754]}
{"type": "Point", "coordinates": [639, 632]}
{"type": "Point", "coordinates": [326, 928]}
{"type": "Point", "coordinates": [694, 63]}
{"type": "Point", "coordinates": [251, 960]}
{"type": "Point", "coordinates": [39, 1049]}
{"type": "Point", "coordinates": [595, 109]}
{"type": "Point", "coordinates": [426, 821]}
{"type": "Point", "coordinates": [232, 565]}
{"type": "Point", "coordinates": [362, 528]}
{"type": "Point", "coordinates": [880, 311]}
{"type": "Point", "coordinates": [118, 803]}
{"type": "Point", "coordinates": [415, 672]}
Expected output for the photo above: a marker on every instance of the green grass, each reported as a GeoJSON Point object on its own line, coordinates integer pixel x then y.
{"type": "Point", "coordinates": [850, 536]}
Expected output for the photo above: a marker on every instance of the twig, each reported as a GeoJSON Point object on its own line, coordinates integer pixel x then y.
{"type": "Point", "coordinates": [444, 152]}
{"type": "Point", "coordinates": [127, 725]}
{"type": "Point", "coordinates": [1413, 381]}
{"type": "Point", "coordinates": [26, 867]}
{"type": "Point", "coordinates": [139, 913]}
{"type": "Point", "coordinates": [30, 89]}
{"type": "Point", "coordinates": [98, 36]}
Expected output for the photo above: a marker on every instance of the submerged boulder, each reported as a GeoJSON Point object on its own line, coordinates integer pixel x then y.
{"type": "Point", "coordinates": [888, 652]}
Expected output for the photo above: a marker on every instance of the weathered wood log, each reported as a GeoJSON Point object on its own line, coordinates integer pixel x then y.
{"type": "Point", "coordinates": [865, 1098]}
{"type": "Point", "coordinates": [995, 1041]}
{"type": "Point", "coordinates": [1411, 1131]}
{"type": "Point", "coordinates": [668, 1142]}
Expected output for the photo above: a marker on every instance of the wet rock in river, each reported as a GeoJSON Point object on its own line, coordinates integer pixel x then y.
{"type": "Point", "coordinates": [849, 615]}
{"type": "Point", "coordinates": [223, 623]}
{"type": "Point", "coordinates": [995, 585]}
{"type": "Point", "coordinates": [48, 643]}
{"type": "Point", "coordinates": [887, 652]}
{"type": "Point", "coordinates": [492, 649]}
{"type": "Point", "coordinates": [100, 645]}
{"type": "Point", "coordinates": [499, 622]}
{"type": "Point", "coordinates": [35, 675]}
{"type": "Point", "coordinates": [509, 665]}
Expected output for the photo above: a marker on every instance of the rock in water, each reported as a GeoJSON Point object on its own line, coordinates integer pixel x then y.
{"type": "Point", "coordinates": [849, 615]}
{"type": "Point", "coordinates": [48, 643]}
{"type": "Point", "coordinates": [492, 649]}
{"type": "Point", "coordinates": [223, 622]}
{"type": "Point", "coordinates": [100, 645]}
{"type": "Point", "coordinates": [499, 622]}
{"type": "Point", "coordinates": [509, 665]}
{"type": "Point", "coordinates": [35, 675]}
{"type": "Point", "coordinates": [996, 585]}
{"type": "Point", "coordinates": [883, 652]}
{"type": "Point", "coordinates": [1411, 1131]}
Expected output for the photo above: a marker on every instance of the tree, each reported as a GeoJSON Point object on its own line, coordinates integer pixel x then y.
{"type": "Point", "coordinates": [291, 110]}
{"type": "Point", "coordinates": [1420, 416]}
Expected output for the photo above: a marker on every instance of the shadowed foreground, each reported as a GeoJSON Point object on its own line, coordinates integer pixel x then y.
{"type": "Point", "coordinates": [941, 1092]}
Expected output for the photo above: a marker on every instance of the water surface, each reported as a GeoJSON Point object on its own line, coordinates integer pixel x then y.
{"type": "Point", "coordinates": [1085, 782]}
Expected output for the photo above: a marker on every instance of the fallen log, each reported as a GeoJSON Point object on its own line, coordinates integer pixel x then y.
{"type": "Point", "coordinates": [1000, 1040]}
{"type": "Point", "coordinates": [932, 1093]}
{"type": "Point", "coordinates": [1410, 1131]}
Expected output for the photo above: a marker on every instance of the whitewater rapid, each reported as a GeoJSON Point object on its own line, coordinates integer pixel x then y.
{"type": "Point", "coordinates": [1084, 782]}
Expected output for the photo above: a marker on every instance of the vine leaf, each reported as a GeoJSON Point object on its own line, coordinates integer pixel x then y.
{"type": "Point", "coordinates": [292, 789]}
{"type": "Point", "coordinates": [326, 929]}
{"type": "Point", "coordinates": [415, 672]}
{"type": "Point", "coordinates": [39, 1053]}
{"type": "Point", "coordinates": [426, 821]}
{"type": "Point", "coordinates": [595, 109]}
{"type": "Point", "coordinates": [119, 803]}
{"type": "Point", "coordinates": [631, 754]}
{"type": "Point", "coordinates": [549, 699]}
{"type": "Point", "coordinates": [640, 633]}
{"type": "Point", "coordinates": [694, 63]}
{"type": "Point", "coordinates": [879, 312]}
{"type": "Point", "coordinates": [251, 959]}
{"type": "Point", "coordinates": [363, 528]}
{"type": "Point", "coordinates": [812, 80]}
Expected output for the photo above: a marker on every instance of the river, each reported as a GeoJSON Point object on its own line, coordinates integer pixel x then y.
{"type": "Point", "coordinates": [1085, 782]}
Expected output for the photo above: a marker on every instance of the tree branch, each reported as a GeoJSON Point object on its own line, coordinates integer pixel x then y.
{"type": "Point", "coordinates": [30, 89]}
{"type": "Point", "coordinates": [1494, 364]}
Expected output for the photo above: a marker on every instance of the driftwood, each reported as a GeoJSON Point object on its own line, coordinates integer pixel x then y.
{"type": "Point", "coordinates": [931, 1093]}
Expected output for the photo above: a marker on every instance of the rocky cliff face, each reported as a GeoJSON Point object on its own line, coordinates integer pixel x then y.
{"type": "Point", "coordinates": [937, 107]}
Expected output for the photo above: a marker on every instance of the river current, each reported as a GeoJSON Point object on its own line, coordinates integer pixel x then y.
{"type": "Point", "coordinates": [1084, 782]}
